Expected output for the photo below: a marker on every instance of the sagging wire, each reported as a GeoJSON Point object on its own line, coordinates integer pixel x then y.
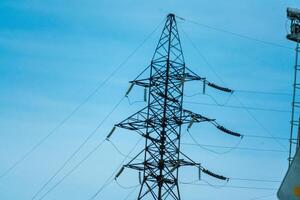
{"type": "Point", "coordinates": [196, 182]}
{"type": "Point", "coordinates": [70, 171]}
{"type": "Point", "coordinates": [213, 151]}
{"type": "Point", "coordinates": [131, 192]}
{"type": "Point", "coordinates": [126, 187]}
{"type": "Point", "coordinates": [113, 144]}
{"type": "Point", "coordinates": [214, 99]}
{"type": "Point", "coordinates": [219, 104]}
{"type": "Point", "coordinates": [110, 179]}
{"type": "Point", "coordinates": [216, 186]}
{"type": "Point", "coordinates": [133, 102]}
{"type": "Point", "coordinates": [189, 182]}
{"type": "Point", "coordinates": [235, 187]}
{"type": "Point", "coordinates": [234, 33]}
{"type": "Point", "coordinates": [244, 107]}
{"type": "Point", "coordinates": [262, 197]}
{"type": "Point", "coordinates": [256, 180]}
{"type": "Point", "coordinates": [128, 92]}
{"type": "Point", "coordinates": [75, 152]}
{"type": "Point", "coordinates": [117, 149]}
{"type": "Point", "coordinates": [78, 107]}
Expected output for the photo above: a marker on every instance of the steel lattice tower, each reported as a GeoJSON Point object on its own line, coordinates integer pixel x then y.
{"type": "Point", "coordinates": [160, 122]}
{"type": "Point", "coordinates": [294, 35]}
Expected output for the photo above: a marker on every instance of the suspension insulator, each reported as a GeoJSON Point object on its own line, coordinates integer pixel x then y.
{"type": "Point", "coordinates": [190, 124]}
{"type": "Point", "coordinates": [220, 88]}
{"type": "Point", "coordinates": [182, 80]}
{"type": "Point", "coordinates": [199, 172]}
{"type": "Point", "coordinates": [225, 130]}
{"type": "Point", "coordinates": [129, 89]}
{"type": "Point", "coordinates": [204, 87]}
{"type": "Point", "coordinates": [140, 177]}
{"type": "Point", "coordinates": [214, 175]}
{"type": "Point", "coordinates": [145, 94]}
{"type": "Point", "coordinates": [110, 133]}
{"type": "Point", "coordinates": [120, 172]}
{"type": "Point", "coordinates": [175, 166]}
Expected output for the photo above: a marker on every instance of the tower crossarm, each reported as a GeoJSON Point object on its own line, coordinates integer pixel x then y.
{"type": "Point", "coordinates": [208, 83]}
{"type": "Point", "coordinates": [191, 118]}
{"type": "Point", "coordinates": [204, 170]}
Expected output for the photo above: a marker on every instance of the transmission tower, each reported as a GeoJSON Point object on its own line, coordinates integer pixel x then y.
{"type": "Point", "coordinates": [294, 35]}
{"type": "Point", "coordinates": [161, 121]}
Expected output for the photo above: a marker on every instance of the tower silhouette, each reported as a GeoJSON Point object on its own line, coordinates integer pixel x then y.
{"type": "Point", "coordinates": [161, 121]}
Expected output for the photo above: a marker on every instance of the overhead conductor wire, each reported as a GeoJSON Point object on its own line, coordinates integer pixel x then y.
{"type": "Point", "coordinates": [110, 179]}
{"type": "Point", "coordinates": [213, 151]}
{"type": "Point", "coordinates": [231, 186]}
{"type": "Point", "coordinates": [93, 132]}
{"type": "Point", "coordinates": [242, 105]}
{"type": "Point", "coordinates": [235, 34]}
{"type": "Point", "coordinates": [61, 123]}
{"type": "Point", "coordinates": [77, 150]}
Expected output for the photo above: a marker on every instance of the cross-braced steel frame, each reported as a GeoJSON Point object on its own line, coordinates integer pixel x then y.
{"type": "Point", "coordinates": [294, 36]}
{"type": "Point", "coordinates": [161, 120]}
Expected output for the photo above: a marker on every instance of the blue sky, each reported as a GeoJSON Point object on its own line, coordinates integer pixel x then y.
{"type": "Point", "coordinates": [55, 53]}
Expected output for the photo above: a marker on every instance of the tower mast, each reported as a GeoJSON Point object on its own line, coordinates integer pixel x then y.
{"type": "Point", "coordinates": [161, 121]}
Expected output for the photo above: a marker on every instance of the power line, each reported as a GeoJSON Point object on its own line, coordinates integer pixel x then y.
{"type": "Point", "coordinates": [241, 179]}
{"type": "Point", "coordinates": [256, 180]}
{"type": "Point", "coordinates": [237, 34]}
{"type": "Point", "coordinates": [39, 143]}
{"type": "Point", "coordinates": [203, 146]}
{"type": "Point", "coordinates": [130, 193]}
{"type": "Point", "coordinates": [110, 178]}
{"type": "Point", "coordinates": [87, 139]}
{"type": "Point", "coordinates": [72, 170]}
{"type": "Point", "coordinates": [250, 92]}
{"type": "Point", "coordinates": [126, 187]}
{"type": "Point", "coordinates": [78, 149]}
{"type": "Point", "coordinates": [259, 123]}
{"type": "Point", "coordinates": [79, 164]}
{"type": "Point", "coordinates": [234, 147]}
{"type": "Point", "coordinates": [117, 149]}
{"type": "Point", "coordinates": [245, 108]}
{"type": "Point", "coordinates": [231, 186]}
{"type": "Point", "coordinates": [214, 99]}
{"type": "Point", "coordinates": [264, 92]}
{"type": "Point", "coordinates": [266, 137]}
{"type": "Point", "coordinates": [262, 197]}
{"type": "Point", "coordinates": [240, 107]}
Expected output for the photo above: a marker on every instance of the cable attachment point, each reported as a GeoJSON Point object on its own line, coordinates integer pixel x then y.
{"type": "Point", "coordinates": [191, 124]}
